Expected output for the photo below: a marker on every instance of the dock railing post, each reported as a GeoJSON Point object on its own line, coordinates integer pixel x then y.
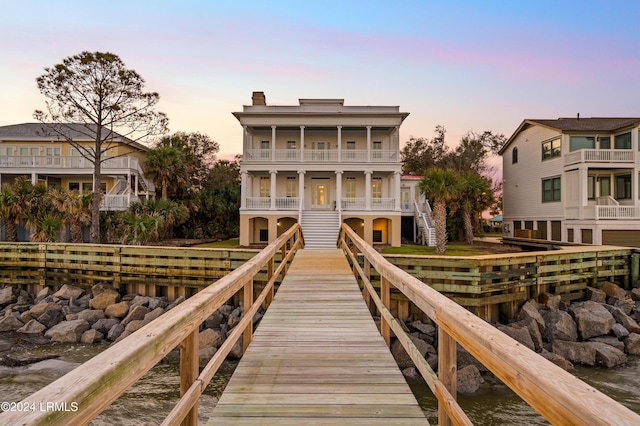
{"type": "Point", "coordinates": [385, 297]}
{"type": "Point", "coordinates": [447, 371]}
{"type": "Point", "coordinates": [248, 301]}
{"type": "Point", "coordinates": [189, 372]}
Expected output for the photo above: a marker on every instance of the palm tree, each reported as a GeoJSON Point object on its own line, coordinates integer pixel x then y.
{"type": "Point", "coordinates": [77, 213]}
{"type": "Point", "coordinates": [166, 163]}
{"type": "Point", "coordinates": [475, 196]}
{"type": "Point", "coordinates": [10, 211]}
{"type": "Point", "coordinates": [442, 186]}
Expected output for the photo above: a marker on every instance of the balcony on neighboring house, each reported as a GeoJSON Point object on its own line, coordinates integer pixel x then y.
{"type": "Point", "coordinates": [600, 156]}
{"type": "Point", "coordinates": [607, 208]}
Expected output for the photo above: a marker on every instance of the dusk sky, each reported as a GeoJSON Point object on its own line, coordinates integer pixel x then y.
{"type": "Point", "coordinates": [466, 65]}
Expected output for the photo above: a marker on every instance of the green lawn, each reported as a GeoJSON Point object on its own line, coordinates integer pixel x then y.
{"type": "Point", "coordinates": [232, 243]}
{"type": "Point", "coordinates": [453, 249]}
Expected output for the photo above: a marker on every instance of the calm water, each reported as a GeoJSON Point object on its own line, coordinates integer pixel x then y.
{"type": "Point", "coordinates": [151, 398]}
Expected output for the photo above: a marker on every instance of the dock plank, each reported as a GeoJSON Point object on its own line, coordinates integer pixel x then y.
{"type": "Point", "coordinates": [317, 357]}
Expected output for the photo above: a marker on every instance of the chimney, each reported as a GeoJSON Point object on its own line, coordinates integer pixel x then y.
{"type": "Point", "coordinates": [258, 98]}
{"type": "Point", "coordinates": [578, 117]}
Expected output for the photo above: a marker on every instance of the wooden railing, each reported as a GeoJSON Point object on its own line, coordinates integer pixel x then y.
{"type": "Point", "coordinates": [98, 382]}
{"type": "Point", "coordinates": [557, 395]}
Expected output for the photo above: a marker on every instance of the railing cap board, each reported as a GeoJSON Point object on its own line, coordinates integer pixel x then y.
{"type": "Point", "coordinates": [556, 394]}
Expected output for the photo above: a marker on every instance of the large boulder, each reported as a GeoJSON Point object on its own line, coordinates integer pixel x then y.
{"type": "Point", "coordinates": [402, 357]}
{"type": "Point", "coordinates": [68, 331]}
{"type": "Point", "coordinates": [115, 332]}
{"type": "Point", "coordinates": [91, 315]}
{"type": "Point", "coordinates": [68, 292]}
{"type": "Point", "coordinates": [40, 308]}
{"type": "Point", "coordinates": [468, 380]}
{"type": "Point", "coordinates": [608, 356]}
{"type": "Point", "coordinates": [135, 313]}
{"type": "Point", "coordinates": [51, 317]}
{"type": "Point", "coordinates": [214, 320]}
{"type": "Point", "coordinates": [623, 319]}
{"type": "Point", "coordinates": [610, 340]}
{"type": "Point", "coordinates": [559, 326]}
{"type": "Point", "coordinates": [209, 338]}
{"type": "Point", "coordinates": [576, 352]}
{"type": "Point", "coordinates": [117, 310]}
{"type": "Point", "coordinates": [104, 299]}
{"type": "Point", "coordinates": [592, 319]}
{"type": "Point", "coordinates": [104, 325]}
{"type": "Point", "coordinates": [613, 290]}
{"type": "Point", "coordinates": [99, 288]}
{"type": "Point", "coordinates": [157, 312]}
{"type": "Point", "coordinates": [205, 354]}
{"type": "Point", "coordinates": [632, 344]}
{"type": "Point", "coordinates": [596, 295]}
{"type": "Point", "coordinates": [530, 310]}
{"type": "Point", "coordinates": [10, 323]}
{"type": "Point", "coordinates": [520, 334]}
{"type": "Point", "coordinates": [91, 336]}
{"type": "Point", "coordinates": [550, 301]}
{"type": "Point", "coordinates": [8, 295]}
{"type": "Point", "coordinates": [32, 327]}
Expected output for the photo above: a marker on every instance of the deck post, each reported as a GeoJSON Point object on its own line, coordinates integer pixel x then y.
{"type": "Point", "coordinates": [385, 296]}
{"type": "Point", "coordinates": [248, 301]}
{"type": "Point", "coordinates": [447, 371]}
{"type": "Point", "coordinates": [189, 372]}
{"type": "Point", "coordinates": [635, 268]}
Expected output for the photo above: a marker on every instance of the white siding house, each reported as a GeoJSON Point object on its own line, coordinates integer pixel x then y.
{"type": "Point", "coordinates": [321, 163]}
{"type": "Point", "coordinates": [573, 180]}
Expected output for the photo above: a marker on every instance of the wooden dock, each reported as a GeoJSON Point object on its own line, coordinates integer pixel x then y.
{"type": "Point", "coordinates": [317, 357]}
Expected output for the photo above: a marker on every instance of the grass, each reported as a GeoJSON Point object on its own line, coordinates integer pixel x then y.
{"type": "Point", "coordinates": [232, 243]}
{"type": "Point", "coordinates": [453, 249]}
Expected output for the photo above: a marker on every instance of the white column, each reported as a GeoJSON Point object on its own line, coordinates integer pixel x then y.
{"type": "Point", "coordinates": [339, 190]}
{"type": "Point", "coordinates": [583, 185]}
{"type": "Point", "coordinates": [129, 187]}
{"type": "Point", "coordinates": [300, 190]}
{"type": "Point", "coordinates": [368, 143]}
{"type": "Point", "coordinates": [273, 143]}
{"type": "Point", "coordinates": [272, 191]}
{"type": "Point", "coordinates": [367, 190]}
{"type": "Point", "coordinates": [396, 142]}
{"type": "Point", "coordinates": [243, 189]}
{"type": "Point", "coordinates": [34, 178]}
{"type": "Point", "coordinates": [396, 190]}
{"type": "Point", "coordinates": [245, 141]}
{"type": "Point", "coordinates": [301, 144]}
{"type": "Point", "coordinates": [339, 143]}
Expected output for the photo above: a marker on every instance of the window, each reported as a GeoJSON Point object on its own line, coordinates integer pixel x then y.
{"type": "Point", "coordinates": [551, 189]}
{"type": "Point", "coordinates": [591, 185]}
{"type": "Point", "coordinates": [53, 156]}
{"type": "Point", "coordinates": [623, 187]}
{"type": "Point", "coordinates": [377, 236]}
{"type": "Point", "coordinates": [291, 147]}
{"type": "Point", "coordinates": [87, 187]}
{"type": "Point", "coordinates": [350, 188]}
{"type": "Point", "coordinates": [264, 150]}
{"type": "Point", "coordinates": [265, 186]}
{"type": "Point", "coordinates": [605, 186]}
{"type": "Point", "coordinates": [376, 188]}
{"type": "Point", "coordinates": [74, 186]}
{"type": "Point", "coordinates": [377, 149]}
{"type": "Point", "coordinates": [581, 142]}
{"type": "Point", "coordinates": [622, 141]}
{"type": "Point", "coordinates": [292, 187]}
{"type": "Point", "coordinates": [514, 155]}
{"type": "Point", "coordinates": [351, 147]}
{"type": "Point", "coordinates": [604, 142]}
{"type": "Point", "coordinates": [551, 149]}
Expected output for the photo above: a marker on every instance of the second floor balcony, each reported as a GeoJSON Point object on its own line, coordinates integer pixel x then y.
{"type": "Point", "coordinates": [600, 156]}
{"type": "Point", "coordinates": [74, 162]}
{"type": "Point", "coordinates": [322, 155]}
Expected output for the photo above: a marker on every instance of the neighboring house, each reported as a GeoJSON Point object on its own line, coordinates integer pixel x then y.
{"type": "Point", "coordinates": [36, 151]}
{"type": "Point", "coordinates": [321, 163]}
{"type": "Point", "coordinates": [573, 180]}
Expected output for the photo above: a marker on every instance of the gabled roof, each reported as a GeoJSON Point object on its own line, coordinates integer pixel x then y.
{"type": "Point", "coordinates": [577, 125]}
{"type": "Point", "coordinates": [47, 132]}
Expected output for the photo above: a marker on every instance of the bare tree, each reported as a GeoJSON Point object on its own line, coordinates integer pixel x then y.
{"type": "Point", "coordinates": [93, 94]}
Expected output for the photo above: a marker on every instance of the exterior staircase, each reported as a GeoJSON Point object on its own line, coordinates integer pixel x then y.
{"type": "Point", "coordinates": [426, 227]}
{"type": "Point", "coordinates": [320, 228]}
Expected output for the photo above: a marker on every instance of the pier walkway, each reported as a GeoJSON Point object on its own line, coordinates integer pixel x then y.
{"type": "Point", "coordinates": [317, 357]}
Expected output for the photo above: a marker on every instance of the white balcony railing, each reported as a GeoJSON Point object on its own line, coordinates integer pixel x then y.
{"type": "Point", "coordinates": [323, 155]}
{"type": "Point", "coordinates": [287, 203]}
{"type": "Point", "coordinates": [116, 202]}
{"type": "Point", "coordinates": [258, 202]}
{"type": "Point", "coordinates": [600, 156]}
{"type": "Point", "coordinates": [383, 203]}
{"type": "Point", "coordinates": [65, 162]}
{"type": "Point", "coordinates": [353, 204]}
{"type": "Point", "coordinates": [617, 212]}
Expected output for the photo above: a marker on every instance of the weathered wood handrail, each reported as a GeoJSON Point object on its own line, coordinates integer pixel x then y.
{"type": "Point", "coordinates": [94, 385]}
{"type": "Point", "coordinates": [557, 395]}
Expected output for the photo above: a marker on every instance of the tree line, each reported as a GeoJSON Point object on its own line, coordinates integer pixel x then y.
{"type": "Point", "coordinates": [457, 182]}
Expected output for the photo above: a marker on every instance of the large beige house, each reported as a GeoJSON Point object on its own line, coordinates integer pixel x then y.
{"type": "Point", "coordinates": [322, 163]}
{"type": "Point", "coordinates": [37, 151]}
{"type": "Point", "coordinates": [573, 180]}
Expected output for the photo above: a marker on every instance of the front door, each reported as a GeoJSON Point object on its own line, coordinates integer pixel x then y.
{"type": "Point", "coordinates": [321, 195]}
